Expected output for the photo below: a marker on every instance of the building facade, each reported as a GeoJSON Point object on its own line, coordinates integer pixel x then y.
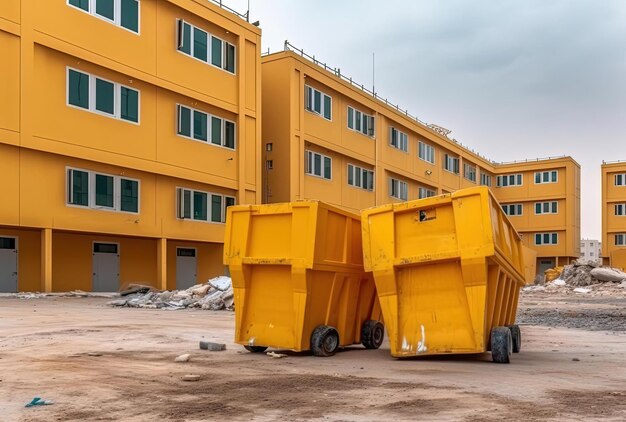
{"type": "Point", "coordinates": [126, 129]}
{"type": "Point", "coordinates": [614, 214]}
{"type": "Point", "coordinates": [325, 138]}
{"type": "Point", "coordinates": [591, 250]}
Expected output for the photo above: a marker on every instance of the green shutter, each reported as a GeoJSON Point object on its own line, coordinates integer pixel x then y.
{"type": "Point", "coordinates": [199, 125]}
{"type": "Point", "coordinates": [538, 239]}
{"type": "Point", "coordinates": [200, 206]}
{"type": "Point", "coordinates": [327, 107]}
{"type": "Point", "coordinates": [184, 35]}
{"type": "Point", "coordinates": [104, 191]}
{"type": "Point", "coordinates": [105, 8]}
{"type": "Point", "coordinates": [200, 48]}
{"type": "Point", "coordinates": [350, 175]}
{"type": "Point", "coordinates": [350, 118]}
{"type": "Point", "coordinates": [186, 204]}
{"type": "Point", "coordinates": [327, 168]}
{"type": "Point", "coordinates": [216, 51]}
{"type": "Point", "coordinates": [130, 104]}
{"type": "Point", "coordinates": [80, 188]}
{"type": "Point", "coordinates": [230, 58]}
{"type": "Point", "coordinates": [78, 89]}
{"type": "Point", "coordinates": [317, 102]}
{"type": "Point", "coordinates": [184, 121]}
{"type": "Point", "coordinates": [129, 195]}
{"type": "Point", "coordinates": [228, 201]}
{"type": "Point", "coordinates": [105, 95]}
{"type": "Point", "coordinates": [230, 135]}
{"type": "Point", "coordinates": [81, 4]}
{"type": "Point", "coordinates": [130, 15]}
{"type": "Point", "coordinates": [216, 130]}
{"type": "Point", "coordinates": [216, 208]}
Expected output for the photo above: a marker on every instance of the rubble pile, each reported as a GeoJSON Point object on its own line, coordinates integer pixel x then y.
{"type": "Point", "coordinates": [214, 295]}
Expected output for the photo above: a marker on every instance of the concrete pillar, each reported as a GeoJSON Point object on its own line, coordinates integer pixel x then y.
{"type": "Point", "coordinates": [162, 264]}
{"type": "Point", "coordinates": [46, 260]}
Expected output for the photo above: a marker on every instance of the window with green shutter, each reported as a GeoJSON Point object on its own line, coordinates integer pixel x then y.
{"type": "Point", "coordinates": [106, 9]}
{"type": "Point", "coordinates": [104, 191]}
{"type": "Point", "coordinates": [81, 4]}
{"type": "Point", "coordinates": [216, 208]}
{"type": "Point", "coordinates": [229, 141]}
{"type": "Point", "coordinates": [200, 48]}
{"type": "Point", "coordinates": [184, 121]}
{"type": "Point", "coordinates": [200, 125]}
{"type": "Point", "coordinates": [105, 96]}
{"type": "Point", "coordinates": [216, 51]}
{"type": "Point", "coordinates": [129, 195]}
{"type": "Point", "coordinates": [130, 104]}
{"type": "Point", "coordinates": [200, 206]}
{"type": "Point", "coordinates": [79, 188]}
{"type": "Point", "coordinates": [216, 130]}
{"type": "Point", "coordinates": [129, 18]}
{"type": "Point", "coordinates": [78, 88]}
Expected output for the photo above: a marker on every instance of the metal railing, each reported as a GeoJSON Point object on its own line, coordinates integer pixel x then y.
{"type": "Point", "coordinates": [530, 160]}
{"type": "Point", "coordinates": [244, 16]}
{"type": "Point", "coordinates": [613, 162]}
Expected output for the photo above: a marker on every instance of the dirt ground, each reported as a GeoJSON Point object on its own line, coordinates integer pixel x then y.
{"type": "Point", "coordinates": [99, 363]}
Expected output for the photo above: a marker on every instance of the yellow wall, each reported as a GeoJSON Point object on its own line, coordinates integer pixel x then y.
{"type": "Point", "coordinates": [292, 129]}
{"type": "Point", "coordinates": [41, 135]}
{"type": "Point", "coordinates": [612, 224]}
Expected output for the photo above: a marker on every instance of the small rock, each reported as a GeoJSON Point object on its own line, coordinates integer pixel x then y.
{"type": "Point", "coordinates": [119, 302]}
{"type": "Point", "coordinates": [608, 274]}
{"type": "Point", "coordinates": [95, 354]}
{"type": "Point", "coordinates": [183, 358]}
{"type": "Point", "coordinates": [191, 377]}
{"type": "Point", "coordinates": [581, 290]}
{"type": "Point", "coordinates": [576, 360]}
{"type": "Point", "coordinates": [276, 355]}
{"type": "Point", "coordinates": [212, 347]}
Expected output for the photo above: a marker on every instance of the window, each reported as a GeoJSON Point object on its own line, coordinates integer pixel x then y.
{"type": "Point", "coordinates": [102, 191]}
{"type": "Point", "coordinates": [469, 172]}
{"type": "Point", "coordinates": [451, 163]}
{"type": "Point", "coordinates": [546, 176]}
{"type": "Point", "coordinates": [317, 102]}
{"type": "Point", "coordinates": [426, 152]}
{"type": "Point", "coordinates": [485, 179]}
{"type": "Point", "coordinates": [202, 206]}
{"type": "Point", "coordinates": [546, 207]}
{"type": "Point", "coordinates": [198, 125]}
{"type": "Point", "coordinates": [360, 177]}
{"type": "Point", "coordinates": [101, 96]}
{"type": "Point", "coordinates": [318, 165]}
{"type": "Point", "coordinates": [425, 193]}
{"type": "Point", "coordinates": [620, 209]}
{"type": "Point", "coordinates": [269, 164]}
{"type": "Point", "coordinates": [512, 209]}
{"type": "Point", "coordinates": [205, 47]}
{"type": "Point", "coordinates": [546, 239]}
{"type": "Point", "coordinates": [398, 189]}
{"type": "Point", "coordinates": [399, 140]}
{"type": "Point", "coordinates": [620, 179]}
{"type": "Point", "coordinates": [509, 180]}
{"type": "Point", "coordinates": [620, 239]}
{"type": "Point", "coordinates": [123, 13]}
{"type": "Point", "coordinates": [360, 122]}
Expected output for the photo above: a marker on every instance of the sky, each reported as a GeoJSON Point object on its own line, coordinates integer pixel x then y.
{"type": "Point", "coordinates": [512, 79]}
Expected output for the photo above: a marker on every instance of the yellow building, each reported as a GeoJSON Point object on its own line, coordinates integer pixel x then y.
{"type": "Point", "coordinates": [614, 214]}
{"type": "Point", "coordinates": [326, 138]}
{"type": "Point", "coordinates": [126, 129]}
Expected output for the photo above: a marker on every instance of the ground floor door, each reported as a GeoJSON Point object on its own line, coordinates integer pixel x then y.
{"type": "Point", "coordinates": [106, 267]}
{"type": "Point", "coordinates": [186, 268]}
{"type": "Point", "coordinates": [544, 264]}
{"type": "Point", "coordinates": [8, 265]}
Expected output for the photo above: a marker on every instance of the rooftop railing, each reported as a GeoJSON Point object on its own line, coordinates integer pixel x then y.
{"type": "Point", "coordinates": [244, 16]}
{"type": "Point", "coordinates": [613, 162]}
{"type": "Point", "coordinates": [531, 160]}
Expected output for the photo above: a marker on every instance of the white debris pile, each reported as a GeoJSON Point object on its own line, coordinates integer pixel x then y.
{"type": "Point", "coordinates": [214, 295]}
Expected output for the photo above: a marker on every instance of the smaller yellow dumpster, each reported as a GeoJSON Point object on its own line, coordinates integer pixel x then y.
{"type": "Point", "coordinates": [298, 278]}
{"type": "Point", "coordinates": [448, 270]}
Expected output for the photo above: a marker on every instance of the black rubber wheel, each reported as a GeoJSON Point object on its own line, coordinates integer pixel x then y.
{"type": "Point", "coordinates": [255, 349]}
{"type": "Point", "coordinates": [516, 336]}
{"type": "Point", "coordinates": [501, 344]}
{"type": "Point", "coordinates": [324, 341]}
{"type": "Point", "coordinates": [372, 334]}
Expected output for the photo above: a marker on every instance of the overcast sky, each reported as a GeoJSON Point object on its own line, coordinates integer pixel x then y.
{"type": "Point", "coordinates": [512, 79]}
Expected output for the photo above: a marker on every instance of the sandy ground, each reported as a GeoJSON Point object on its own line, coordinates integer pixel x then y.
{"type": "Point", "coordinates": [561, 374]}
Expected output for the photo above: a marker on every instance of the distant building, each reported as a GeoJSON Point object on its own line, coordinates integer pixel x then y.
{"type": "Point", "coordinates": [591, 250]}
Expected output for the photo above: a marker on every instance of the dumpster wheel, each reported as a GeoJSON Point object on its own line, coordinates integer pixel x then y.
{"type": "Point", "coordinates": [501, 344]}
{"type": "Point", "coordinates": [255, 349]}
{"type": "Point", "coordinates": [516, 335]}
{"type": "Point", "coordinates": [372, 334]}
{"type": "Point", "coordinates": [324, 341]}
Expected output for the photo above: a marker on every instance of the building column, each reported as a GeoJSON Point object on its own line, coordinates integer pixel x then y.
{"type": "Point", "coordinates": [46, 260]}
{"type": "Point", "coordinates": [162, 264]}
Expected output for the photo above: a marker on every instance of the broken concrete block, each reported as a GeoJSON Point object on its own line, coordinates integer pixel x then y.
{"type": "Point", "coordinates": [201, 290]}
{"type": "Point", "coordinates": [119, 302]}
{"type": "Point", "coordinates": [183, 358]}
{"type": "Point", "coordinates": [221, 283]}
{"type": "Point", "coordinates": [212, 347]}
{"type": "Point", "coordinates": [191, 377]}
{"type": "Point", "coordinates": [608, 274]}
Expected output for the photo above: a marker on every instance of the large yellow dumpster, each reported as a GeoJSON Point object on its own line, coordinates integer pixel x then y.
{"type": "Point", "coordinates": [448, 270]}
{"type": "Point", "coordinates": [298, 277]}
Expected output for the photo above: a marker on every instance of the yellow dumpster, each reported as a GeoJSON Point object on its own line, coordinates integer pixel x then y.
{"type": "Point", "coordinates": [298, 278]}
{"type": "Point", "coordinates": [448, 270]}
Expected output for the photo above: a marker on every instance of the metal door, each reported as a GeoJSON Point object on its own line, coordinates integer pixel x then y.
{"type": "Point", "coordinates": [186, 268]}
{"type": "Point", "coordinates": [106, 267]}
{"type": "Point", "coordinates": [544, 264]}
{"type": "Point", "coordinates": [8, 265]}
